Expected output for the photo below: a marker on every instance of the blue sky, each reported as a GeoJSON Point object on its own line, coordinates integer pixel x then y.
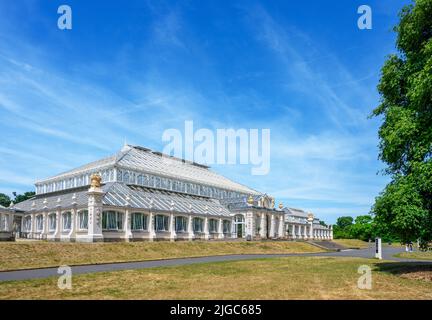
{"type": "Point", "coordinates": [128, 70]}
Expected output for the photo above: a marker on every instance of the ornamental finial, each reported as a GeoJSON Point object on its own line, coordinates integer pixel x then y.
{"type": "Point", "coordinates": [250, 200]}
{"type": "Point", "coordinates": [95, 179]}
{"type": "Point", "coordinates": [280, 206]}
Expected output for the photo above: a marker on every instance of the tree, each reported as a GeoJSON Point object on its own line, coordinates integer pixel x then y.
{"type": "Point", "coordinates": [404, 208]}
{"type": "Point", "coordinates": [342, 228]}
{"type": "Point", "coordinates": [362, 228]}
{"type": "Point", "coordinates": [5, 200]}
{"type": "Point", "coordinates": [23, 197]}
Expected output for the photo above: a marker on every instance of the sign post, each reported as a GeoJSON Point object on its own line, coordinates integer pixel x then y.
{"type": "Point", "coordinates": [378, 248]}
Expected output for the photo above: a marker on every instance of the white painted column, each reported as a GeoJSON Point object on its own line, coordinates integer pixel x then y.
{"type": "Point", "coordinates": [331, 232]}
{"type": "Point", "coordinates": [220, 229]}
{"type": "Point", "coordinates": [191, 235]}
{"type": "Point", "coordinates": [172, 227]}
{"type": "Point", "coordinates": [293, 231]}
{"type": "Point", "coordinates": [74, 218]}
{"type": "Point", "coordinates": [263, 225]}
{"type": "Point", "coordinates": [272, 226]}
{"type": "Point", "coordinates": [94, 232]}
{"type": "Point", "coordinates": [206, 229]}
{"type": "Point", "coordinates": [281, 227]}
{"type": "Point", "coordinates": [151, 227]}
{"type": "Point", "coordinates": [311, 235]}
{"type": "Point", "coordinates": [45, 223]}
{"type": "Point", "coordinates": [127, 227]}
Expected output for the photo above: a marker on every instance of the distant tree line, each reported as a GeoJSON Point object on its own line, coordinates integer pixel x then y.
{"type": "Point", "coordinates": [5, 200]}
{"type": "Point", "coordinates": [362, 227]}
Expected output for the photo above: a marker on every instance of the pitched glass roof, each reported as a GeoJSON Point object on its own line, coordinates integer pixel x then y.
{"type": "Point", "coordinates": [147, 161]}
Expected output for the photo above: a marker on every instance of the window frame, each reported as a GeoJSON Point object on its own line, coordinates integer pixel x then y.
{"type": "Point", "coordinates": [144, 221]}
{"type": "Point", "coordinates": [80, 215]}
{"type": "Point", "coordinates": [66, 213]}
{"type": "Point", "coordinates": [184, 223]}
{"type": "Point", "coordinates": [52, 216]}
{"type": "Point", "coordinates": [119, 220]}
{"type": "Point", "coordinates": [201, 224]}
{"type": "Point", "coordinates": [165, 223]}
{"type": "Point", "coordinates": [215, 222]}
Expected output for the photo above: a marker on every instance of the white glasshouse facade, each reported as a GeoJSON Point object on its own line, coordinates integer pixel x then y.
{"type": "Point", "coordinates": [139, 194]}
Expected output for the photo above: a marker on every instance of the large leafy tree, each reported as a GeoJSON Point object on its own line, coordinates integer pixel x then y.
{"type": "Point", "coordinates": [404, 208]}
{"type": "Point", "coordinates": [4, 200]}
{"type": "Point", "coordinates": [23, 197]}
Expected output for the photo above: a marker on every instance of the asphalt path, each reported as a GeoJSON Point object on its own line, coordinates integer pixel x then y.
{"type": "Point", "coordinates": [39, 273]}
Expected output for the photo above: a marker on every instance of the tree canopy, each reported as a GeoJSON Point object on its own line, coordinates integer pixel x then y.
{"type": "Point", "coordinates": [404, 208]}
{"type": "Point", "coordinates": [5, 200]}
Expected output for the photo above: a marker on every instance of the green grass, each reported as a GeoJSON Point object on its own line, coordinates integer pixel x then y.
{"type": "Point", "coordinates": [23, 255]}
{"type": "Point", "coordinates": [352, 243]}
{"type": "Point", "coordinates": [416, 255]}
{"type": "Point", "coordinates": [277, 278]}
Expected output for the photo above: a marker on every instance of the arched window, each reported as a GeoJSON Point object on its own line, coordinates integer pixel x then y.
{"type": "Point", "coordinates": [198, 225]}
{"type": "Point", "coordinates": [226, 226]}
{"type": "Point", "coordinates": [52, 221]}
{"type": "Point", "coordinates": [126, 177]}
{"type": "Point", "coordinates": [161, 223]}
{"type": "Point", "coordinates": [112, 220]}
{"type": "Point", "coordinates": [39, 223]}
{"type": "Point", "coordinates": [180, 224]}
{"type": "Point", "coordinates": [67, 220]}
{"type": "Point", "coordinates": [138, 221]}
{"type": "Point", "coordinates": [213, 225]}
{"type": "Point", "coordinates": [83, 219]}
{"type": "Point", "coordinates": [27, 224]}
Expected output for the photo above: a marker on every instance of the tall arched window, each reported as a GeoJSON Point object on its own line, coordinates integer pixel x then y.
{"type": "Point", "coordinates": [52, 221]}
{"type": "Point", "coordinates": [138, 221]}
{"type": "Point", "coordinates": [67, 220]}
{"type": "Point", "coordinates": [112, 220]}
{"type": "Point", "coordinates": [161, 223]}
{"type": "Point", "coordinates": [226, 226]}
{"type": "Point", "coordinates": [213, 225]}
{"type": "Point", "coordinates": [198, 225]}
{"type": "Point", "coordinates": [39, 223]}
{"type": "Point", "coordinates": [180, 224]}
{"type": "Point", "coordinates": [27, 224]}
{"type": "Point", "coordinates": [83, 219]}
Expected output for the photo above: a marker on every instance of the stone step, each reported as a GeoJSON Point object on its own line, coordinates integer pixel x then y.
{"type": "Point", "coordinates": [328, 245]}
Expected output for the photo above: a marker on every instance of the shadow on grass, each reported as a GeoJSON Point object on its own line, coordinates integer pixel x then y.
{"type": "Point", "coordinates": [410, 270]}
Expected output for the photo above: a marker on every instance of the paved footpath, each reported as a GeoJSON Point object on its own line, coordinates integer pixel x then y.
{"type": "Point", "coordinates": [388, 253]}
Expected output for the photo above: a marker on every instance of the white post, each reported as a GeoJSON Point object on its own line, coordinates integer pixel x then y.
{"type": "Point", "coordinates": [293, 231]}
{"type": "Point", "coordinates": [305, 232]}
{"type": "Point", "coordinates": [378, 248]}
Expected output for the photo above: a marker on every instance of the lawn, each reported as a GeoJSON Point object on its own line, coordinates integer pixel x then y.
{"type": "Point", "coordinates": [416, 255]}
{"type": "Point", "coordinates": [276, 278]}
{"type": "Point", "coordinates": [22, 255]}
{"type": "Point", "coordinates": [352, 243]}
